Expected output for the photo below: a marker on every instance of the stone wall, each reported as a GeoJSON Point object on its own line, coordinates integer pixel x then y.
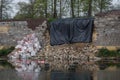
{"type": "Point", "coordinates": [107, 27]}
{"type": "Point", "coordinates": [106, 34]}
{"type": "Point", "coordinates": [12, 31]}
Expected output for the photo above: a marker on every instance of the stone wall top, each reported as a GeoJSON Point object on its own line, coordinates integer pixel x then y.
{"type": "Point", "coordinates": [30, 23]}
{"type": "Point", "coordinates": [111, 13]}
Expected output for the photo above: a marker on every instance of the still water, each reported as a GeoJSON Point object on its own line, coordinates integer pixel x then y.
{"type": "Point", "coordinates": [41, 69]}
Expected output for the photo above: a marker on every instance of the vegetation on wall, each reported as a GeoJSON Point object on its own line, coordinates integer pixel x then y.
{"type": "Point", "coordinates": [108, 53]}
{"type": "Point", "coordinates": [6, 51]}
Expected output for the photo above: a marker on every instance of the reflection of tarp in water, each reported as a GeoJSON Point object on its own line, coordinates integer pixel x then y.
{"type": "Point", "coordinates": [57, 75]}
{"type": "Point", "coordinates": [71, 30]}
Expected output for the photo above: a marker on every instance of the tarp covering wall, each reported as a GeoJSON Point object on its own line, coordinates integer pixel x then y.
{"type": "Point", "coordinates": [71, 31]}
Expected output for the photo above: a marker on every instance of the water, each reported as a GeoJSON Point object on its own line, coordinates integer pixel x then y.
{"type": "Point", "coordinates": [27, 69]}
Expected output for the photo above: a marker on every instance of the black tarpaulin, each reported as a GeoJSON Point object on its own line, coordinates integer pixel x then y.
{"type": "Point", "coordinates": [71, 31]}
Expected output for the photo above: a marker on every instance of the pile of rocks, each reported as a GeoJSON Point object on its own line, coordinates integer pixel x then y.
{"type": "Point", "coordinates": [83, 53]}
{"type": "Point", "coordinates": [27, 47]}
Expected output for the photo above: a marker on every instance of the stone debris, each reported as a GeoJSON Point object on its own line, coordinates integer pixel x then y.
{"type": "Point", "coordinates": [26, 48]}
{"type": "Point", "coordinates": [63, 56]}
{"type": "Point", "coordinates": [83, 53]}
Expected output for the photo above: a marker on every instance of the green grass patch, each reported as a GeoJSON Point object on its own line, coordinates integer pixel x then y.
{"type": "Point", "coordinates": [108, 53]}
{"type": "Point", "coordinates": [6, 51]}
{"type": "Point", "coordinates": [51, 19]}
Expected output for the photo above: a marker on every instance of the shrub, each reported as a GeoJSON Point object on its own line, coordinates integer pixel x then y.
{"type": "Point", "coordinates": [51, 19]}
{"type": "Point", "coordinates": [103, 52]}
{"type": "Point", "coordinates": [6, 51]}
{"type": "Point", "coordinates": [107, 53]}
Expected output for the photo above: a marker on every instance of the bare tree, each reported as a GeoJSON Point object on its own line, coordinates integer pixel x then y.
{"type": "Point", "coordinates": [72, 8]}
{"type": "Point", "coordinates": [90, 8]}
{"type": "Point", "coordinates": [45, 8]}
{"type": "Point", "coordinates": [60, 9]}
{"type": "Point", "coordinates": [55, 11]}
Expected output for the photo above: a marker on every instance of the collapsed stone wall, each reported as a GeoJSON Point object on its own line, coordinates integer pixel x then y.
{"type": "Point", "coordinates": [106, 30]}
{"type": "Point", "coordinates": [61, 57]}
{"type": "Point", "coordinates": [82, 52]}
{"type": "Point", "coordinates": [13, 31]}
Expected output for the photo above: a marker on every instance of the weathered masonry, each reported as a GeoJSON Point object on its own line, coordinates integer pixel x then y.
{"type": "Point", "coordinates": [107, 28]}
{"type": "Point", "coordinates": [13, 30]}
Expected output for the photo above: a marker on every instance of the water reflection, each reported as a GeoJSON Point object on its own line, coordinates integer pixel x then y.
{"type": "Point", "coordinates": [37, 65]}
{"type": "Point", "coordinates": [58, 69]}
{"type": "Point", "coordinates": [5, 65]}
{"type": "Point", "coordinates": [53, 69]}
{"type": "Point", "coordinates": [23, 65]}
{"type": "Point", "coordinates": [74, 65]}
{"type": "Point", "coordinates": [103, 65]}
{"type": "Point", "coordinates": [57, 75]}
{"type": "Point", "coordinates": [27, 69]}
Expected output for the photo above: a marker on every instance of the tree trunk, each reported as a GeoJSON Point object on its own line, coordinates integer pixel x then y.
{"type": "Point", "coordinates": [55, 11]}
{"type": "Point", "coordinates": [90, 8]}
{"type": "Point", "coordinates": [1, 6]}
{"type": "Point", "coordinates": [78, 8]}
{"type": "Point", "coordinates": [52, 7]}
{"type": "Point", "coordinates": [101, 8]}
{"type": "Point", "coordinates": [60, 9]}
{"type": "Point", "coordinates": [32, 2]}
{"type": "Point", "coordinates": [72, 8]}
{"type": "Point", "coordinates": [46, 8]}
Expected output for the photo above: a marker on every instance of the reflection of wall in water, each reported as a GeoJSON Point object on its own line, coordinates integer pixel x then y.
{"type": "Point", "coordinates": [108, 75]}
{"type": "Point", "coordinates": [76, 65]}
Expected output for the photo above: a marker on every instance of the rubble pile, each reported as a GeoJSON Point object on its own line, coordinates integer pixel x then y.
{"type": "Point", "coordinates": [83, 53]}
{"type": "Point", "coordinates": [63, 56]}
{"type": "Point", "coordinates": [27, 47]}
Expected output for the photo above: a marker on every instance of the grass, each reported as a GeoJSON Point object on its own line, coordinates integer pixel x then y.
{"type": "Point", "coordinates": [6, 51]}
{"type": "Point", "coordinates": [108, 53]}
{"type": "Point", "coordinates": [51, 19]}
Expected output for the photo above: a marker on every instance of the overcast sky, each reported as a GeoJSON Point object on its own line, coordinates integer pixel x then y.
{"type": "Point", "coordinates": [114, 1]}
{"type": "Point", "coordinates": [16, 1]}
{"type": "Point", "coordinates": [15, 7]}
